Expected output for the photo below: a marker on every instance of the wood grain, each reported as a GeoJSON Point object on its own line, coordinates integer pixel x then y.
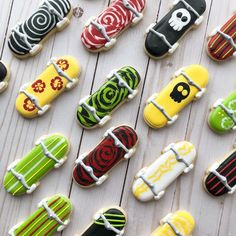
{"type": "Point", "coordinates": [214, 217]}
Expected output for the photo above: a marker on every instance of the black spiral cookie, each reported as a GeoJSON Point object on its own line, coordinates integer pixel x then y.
{"type": "Point", "coordinates": [162, 37]}
{"type": "Point", "coordinates": [52, 15]}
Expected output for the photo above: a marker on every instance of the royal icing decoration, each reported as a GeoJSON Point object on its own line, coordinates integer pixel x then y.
{"type": "Point", "coordinates": [96, 109]}
{"type": "Point", "coordinates": [35, 97]}
{"type": "Point", "coordinates": [27, 38]}
{"type": "Point", "coordinates": [222, 41]}
{"type": "Point", "coordinates": [52, 216]}
{"type": "Point", "coordinates": [163, 37]}
{"type": "Point", "coordinates": [109, 222]}
{"type": "Point", "coordinates": [152, 181]}
{"type": "Point", "coordinates": [100, 33]}
{"type": "Point", "coordinates": [222, 118]}
{"type": "Point", "coordinates": [23, 176]}
{"type": "Point", "coordinates": [4, 76]}
{"type": "Point", "coordinates": [180, 223]}
{"type": "Point", "coordinates": [118, 144]}
{"type": "Point", "coordinates": [221, 176]}
{"type": "Point", "coordinates": [188, 84]}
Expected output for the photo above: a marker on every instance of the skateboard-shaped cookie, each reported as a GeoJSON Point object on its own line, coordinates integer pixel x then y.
{"type": "Point", "coordinates": [95, 110]}
{"type": "Point", "coordinates": [222, 118]}
{"type": "Point", "coordinates": [53, 215]}
{"type": "Point", "coordinates": [163, 37]}
{"type": "Point", "coordinates": [23, 175]}
{"type": "Point", "coordinates": [188, 84]}
{"type": "Point", "coordinates": [180, 223]}
{"type": "Point", "coordinates": [151, 182]}
{"type": "Point", "coordinates": [107, 222]}
{"type": "Point", "coordinates": [35, 97]}
{"type": "Point", "coordinates": [100, 32]}
{"type": "Point", "coordinates": [220, 178]}
{"type": "Point", "coordinates": [4, 76]}
{"type": "Point", "coordinates": [27, 38]}
{"type": "Point", "coordinates": [222, 41]}
{"type": "Point", "coordinates": [119, 143]}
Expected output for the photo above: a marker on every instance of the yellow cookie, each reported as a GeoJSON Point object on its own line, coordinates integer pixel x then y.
{"type": "Point", "coordinates": [35, 97]}
{"type": "Point", "coordinates": [187, 85]}
{"type": "Point", "coordinates": [178, 223]}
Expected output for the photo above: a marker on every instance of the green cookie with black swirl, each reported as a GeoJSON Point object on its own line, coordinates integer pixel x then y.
{"type": "Point", "coordinates": [96, 109]}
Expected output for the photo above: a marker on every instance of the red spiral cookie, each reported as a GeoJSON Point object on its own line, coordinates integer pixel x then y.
{"type": "Point", "coordinates": [100, 32]}
{"type": "Point", "coordinates": [118, 144]}
{"type": "Point", "coordinates": [222, 42]}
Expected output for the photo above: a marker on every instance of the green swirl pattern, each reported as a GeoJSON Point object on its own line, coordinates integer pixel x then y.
{"type": "Point", "coordinates": [108, 97]}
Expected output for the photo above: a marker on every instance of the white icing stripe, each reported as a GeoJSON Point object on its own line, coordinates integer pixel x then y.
{"type": "Point", "coordinates": [47, 153]}
{"type": "Point", "coordinates": [88, 169]}
{"type": "Point", "coordinates": [178, 158]}
{"type": "Point", "coordinates": [190, 81]}
{"type": "Point", "coordinates": [52, 214]}
{"type": "Point", "coordinates": [52, 10]}
{"type": "Point", "coordinates": [162, 37]}
{"type": "Point", "coordinates": [118, 143]}
{"type": "Point", "coordinates": [227, 38]}
{"type": "Point", "coordinates": [222, 179]}
{"type": "Point", "coordinates": [91, 109]}
{"type": "Point", "coordinates": [109, 226]}
{"type": "Point", "coordinates": [19, 177]}
{"type": "Point", "coordinates": [149, 184]}
{"type": "Point", "coordinates": [129, 7]}
{"type": "Point", "coordinates": [228, 111]}
{"type": "Point", "coordinates": [101, 29]}
{"type": "Point", "coordinates": [177, 233]}
{"type": "Point", "coordinates": [190, 8]}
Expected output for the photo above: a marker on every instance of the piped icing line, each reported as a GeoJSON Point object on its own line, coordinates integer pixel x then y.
{"type": "Point", "coordinates": [128, 6]}
{"type": "Point", "coordinates": [177, 233]}
{"type": "Point", "coordinates": [223, 180]}
{"type": "Point", "coordinates": [190, 8]}
{"type": "Point", "coordinates": [22, 180]}
{"type": "Point", "coordinates": [52, 214]}
{"type": "Point", "coordinates": [178, 156]}
{"type": "Point", "coordinates": [149, 184]}
{"type": "Point", "coordinates": [52, 10]}
{"type": "Point", "coordinates": [109, 226]}
{"type": "Point", "coordinates": [228, 38]}
{"type": "Point", "coordinates": [228, 111]}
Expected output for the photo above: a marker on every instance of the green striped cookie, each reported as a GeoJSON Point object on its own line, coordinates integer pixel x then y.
{"type": "Point", "coordinates": [53, 215]}
{"type": "Point", "coordinates": [96, 109]}
{"type": "Point", "coordinates": [222, 118]}
{"type": "Point", "coordinates": [23, 176]}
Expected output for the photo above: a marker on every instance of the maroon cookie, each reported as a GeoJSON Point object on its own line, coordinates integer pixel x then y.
{"type": "Point", "coordinates": [221, 177]}
{"type": "Point", "coordinates": [118, 144]}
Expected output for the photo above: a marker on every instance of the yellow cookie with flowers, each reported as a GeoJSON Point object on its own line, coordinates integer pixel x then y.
{"type": "Point", "coordinates": [35, 97]}
{"type": "Point", "coordinates": [188, 84]}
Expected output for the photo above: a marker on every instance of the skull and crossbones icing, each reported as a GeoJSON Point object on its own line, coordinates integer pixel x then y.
{"type": "Point", "coordinates": [180, 92]}
{"type": "Point", "coordinates": [179, 19]}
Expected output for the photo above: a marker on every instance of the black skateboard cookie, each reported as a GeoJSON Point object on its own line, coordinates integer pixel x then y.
{"type": "Point", "coordinates": [162, 37]}
{"type": "Point", "coordinates": [4, 76]}
{"type": "Point", "coordinates": [27, 38]}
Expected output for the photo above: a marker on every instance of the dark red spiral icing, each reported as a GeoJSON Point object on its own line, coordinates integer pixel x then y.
{"type": "Point", "coordinates": [105, 155]}
{"type": "Point", "coordinates": [228, 169]}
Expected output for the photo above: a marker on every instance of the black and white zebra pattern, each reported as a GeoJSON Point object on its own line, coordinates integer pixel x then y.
{"type": "Point", "coordinates": [37, 26]}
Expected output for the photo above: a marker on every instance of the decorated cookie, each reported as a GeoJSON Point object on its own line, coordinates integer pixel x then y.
{"type": "Point", "coordinates": [52, 216]}
{"type": "Point", "coordinates": [152, 181]}
{"type": "Point", "coordinates": [107, 222]}
{"type": "Point", "coordinates": [35, 97]}
{"type": "Point", "coordinates": [222, 41]}
{"type": "Point", "coordinates": [222, 118]}
{"type": "Point", "coordinates": [27, 38]}
{"type": "Point", "coordinates": [221, 176]}
{"type": "Point", "coordinates": [163, 37]}
{"type": "Point", "coordinates": [100, 32]}
{"type": "Point", "coordinates": [180, 223]}
{"type": "Point", "coordinates": [4, 76]}
{"type": "Point", "coordinates": [23, 175]}
{"type": "Point", "coordinates": [118, 144]}
{"type": "Point", "coordinates": [187, 85]}
{"type": "Point", "coordinates": [95, 110]}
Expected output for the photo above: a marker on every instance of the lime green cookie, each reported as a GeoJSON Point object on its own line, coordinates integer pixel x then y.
{"type": "Point", "coordinates": [53, 215]}
{"type": "Point", "coordinates": [222, 118]}
{"type": "Point", "coordinates": [23, 175]}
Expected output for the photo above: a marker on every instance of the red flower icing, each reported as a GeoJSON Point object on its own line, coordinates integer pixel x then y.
{"type": "Point", "coordinates": [56, 83]}
{"type": "Point", "coordinates": [38, 86]}
{"type": "Point", "coordinates": [28, 105]}
{"type": "Point", "coordinates": [63, 64]}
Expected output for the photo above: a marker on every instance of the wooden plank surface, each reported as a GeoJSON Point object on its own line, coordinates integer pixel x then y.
{"type": "Point", "coordinates": [214, 217]}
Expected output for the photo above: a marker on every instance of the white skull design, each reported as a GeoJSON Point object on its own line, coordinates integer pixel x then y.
{"type": "Point", "coordinates": [179, 19]}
